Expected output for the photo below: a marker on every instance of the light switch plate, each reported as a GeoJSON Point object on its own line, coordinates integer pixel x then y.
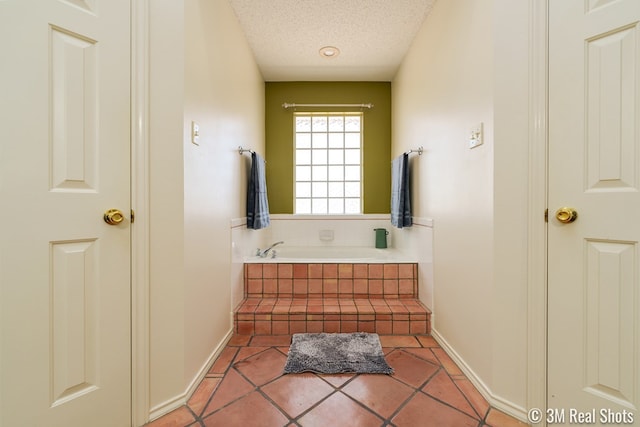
{"type": "Point", "coordinates": [475, 136]}
{"type": "Point", "coordinates": [195, 133]}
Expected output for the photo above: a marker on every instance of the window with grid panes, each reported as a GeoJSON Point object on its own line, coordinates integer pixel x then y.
{"type": "Point", "coordinates": [328, 152]}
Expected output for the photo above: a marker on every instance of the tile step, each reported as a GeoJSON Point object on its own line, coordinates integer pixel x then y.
{"type": "Point", "coordinates": [284, 316]}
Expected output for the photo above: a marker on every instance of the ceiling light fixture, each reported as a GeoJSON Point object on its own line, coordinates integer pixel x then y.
{"type": "Point", "coordinates": [329, 52]}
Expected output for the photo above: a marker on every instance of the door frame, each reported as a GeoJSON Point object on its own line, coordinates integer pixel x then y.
{"type": "Point", "coordinates": [537, 337]}
{"type": "Point", "coordinates": [140, 234]}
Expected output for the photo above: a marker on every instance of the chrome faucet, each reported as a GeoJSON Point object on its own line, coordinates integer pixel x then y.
{"type": "Point", "coordinates": [264, 253]}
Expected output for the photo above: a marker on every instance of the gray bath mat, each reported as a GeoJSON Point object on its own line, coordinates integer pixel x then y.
{"type": "Point", "coordinates": [336, 353]}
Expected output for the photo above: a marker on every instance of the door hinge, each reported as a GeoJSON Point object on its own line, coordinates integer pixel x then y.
{"type": "Point", "coordinates": [546, 215]}
{"type": "Point", "coordinates": [133, 216]}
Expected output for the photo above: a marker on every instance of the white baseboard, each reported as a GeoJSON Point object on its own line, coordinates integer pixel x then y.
{"type": "Point", "coordinates": [496, 402]}
{"type": "Point", "coordinates": [182, 399]}
{"type": "Point", "coordinates": [167, 406]}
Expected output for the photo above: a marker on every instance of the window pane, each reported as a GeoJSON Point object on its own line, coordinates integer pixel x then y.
{"type": "Point", "coordinates": [352, 173]}
{"type": "Point", "coordinates": [319, 206]}
{"type": "Point", "coordinates": [319, 140]}
{"type": "Point", "coordinates": [319, 157]}
{"type": "Point", "coordinates": [303, 124]}
{"type": "Point", "coordinates": [303, 173]}
{"type": "Point", "coordinates": [336, 206]}
{"type": "Point", "coordinates": [319, 173]}
{"type": "Point", "coordinates": [336, 189]}
{"type": "Point", "coordinates": [351, 157]}
{"type": "Point", "coordinates": [336, 124]}
{"type": "Point", "coordinates": [336, 140]}
{"type": "Point", "coordinates": [352, 140]}
{"type": "Point", "coordinates": [320, 124]}
{"type": "Point", "coordinates": [303, 140]}
{"type": "Point", "coordinates": [352, 206]}
{"type": "Point", "coordinates": [336, 173]}
{"type": "Point", "coordinates": [303, 189]}
{"type": "Point", "coordinates": [352, 189]}
{"type": "Point", "coordinates": [303, 157]}
{"type": "Point", "coordinates": [319, 189]}
{"type": "Point", "coordinates": [352, 124]}
{"type": "Point", "coordinates": [336, 157]}
{"type": "Point", "coordinates": [303, 206]}
{"type": "Point", "coordinates": [328, 157]}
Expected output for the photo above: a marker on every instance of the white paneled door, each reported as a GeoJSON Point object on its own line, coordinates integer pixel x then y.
{"type": "Point", "coordinates": [594, 169]}
{"type": "Point", "coordinates": [65, 356]}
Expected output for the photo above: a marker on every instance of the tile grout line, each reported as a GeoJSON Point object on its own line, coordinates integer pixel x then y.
{"type": "Point", "coordinates": [314, 406]}
{"type": "Point", "coordinates": [442, 368]}
{"type": "Point", "coordinates": [213, 392]}
{"type": "Point", "coordinates": [416, 390]}
{"type": "Point", "coordinates": [271, 401]}
{"type": "Point", "coordinates": [482, 418]}
{"type": "Point", "coordinates": [211, 396]}
{"type": "Point", "coordinates": [362, 405]}
{"type": "Point", "coordinates": [231, 366]}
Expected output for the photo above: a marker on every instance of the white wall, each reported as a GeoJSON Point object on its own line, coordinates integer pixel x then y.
{"type": "Point", "coordinates": [202, 70]}
{"type": "Point", "coordinates": [224, 94]}
{"type": "Point", "coordinates": [459, 73]}
{"type": "Point", "coordinates": [166, 198]}
{"type": "Point", "coordinates": [511, 211]}
{"type": "Point", "coordinates": [443, 88]}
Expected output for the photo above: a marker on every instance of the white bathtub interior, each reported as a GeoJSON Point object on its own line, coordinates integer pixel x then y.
{"type": "Point", "coordinates": [331, 254]}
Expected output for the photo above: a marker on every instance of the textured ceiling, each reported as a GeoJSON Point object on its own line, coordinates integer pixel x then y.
{"type": "Point", "coordinates": [372, 35]}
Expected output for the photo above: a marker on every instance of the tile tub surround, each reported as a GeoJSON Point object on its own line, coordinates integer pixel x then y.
{"type": "Point", "coordinates": [327, 297]}
{"type": "Point", "coordinates": [349, 231]}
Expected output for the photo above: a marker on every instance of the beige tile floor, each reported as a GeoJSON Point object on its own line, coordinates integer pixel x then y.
{"type": "Point", "coordinates": [246, 387]}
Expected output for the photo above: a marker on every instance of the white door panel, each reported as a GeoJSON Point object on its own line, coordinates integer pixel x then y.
{"type": "Point", "coordinates": [594, 161]}
{"type": "Point", "coordinates": [65, 154]}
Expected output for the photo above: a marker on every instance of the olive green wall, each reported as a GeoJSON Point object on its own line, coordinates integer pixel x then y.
{"type": "Point", "coordinates": [376, 137]}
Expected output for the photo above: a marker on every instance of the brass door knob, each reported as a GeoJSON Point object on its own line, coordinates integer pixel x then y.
{"type": "Point", "coordinates": [566, 215]}
{"type": "Point", "coordinates": [113, 216]}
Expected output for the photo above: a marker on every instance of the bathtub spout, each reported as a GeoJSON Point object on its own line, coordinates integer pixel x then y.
{"type": "Point", "coordinates": [263, 254]}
